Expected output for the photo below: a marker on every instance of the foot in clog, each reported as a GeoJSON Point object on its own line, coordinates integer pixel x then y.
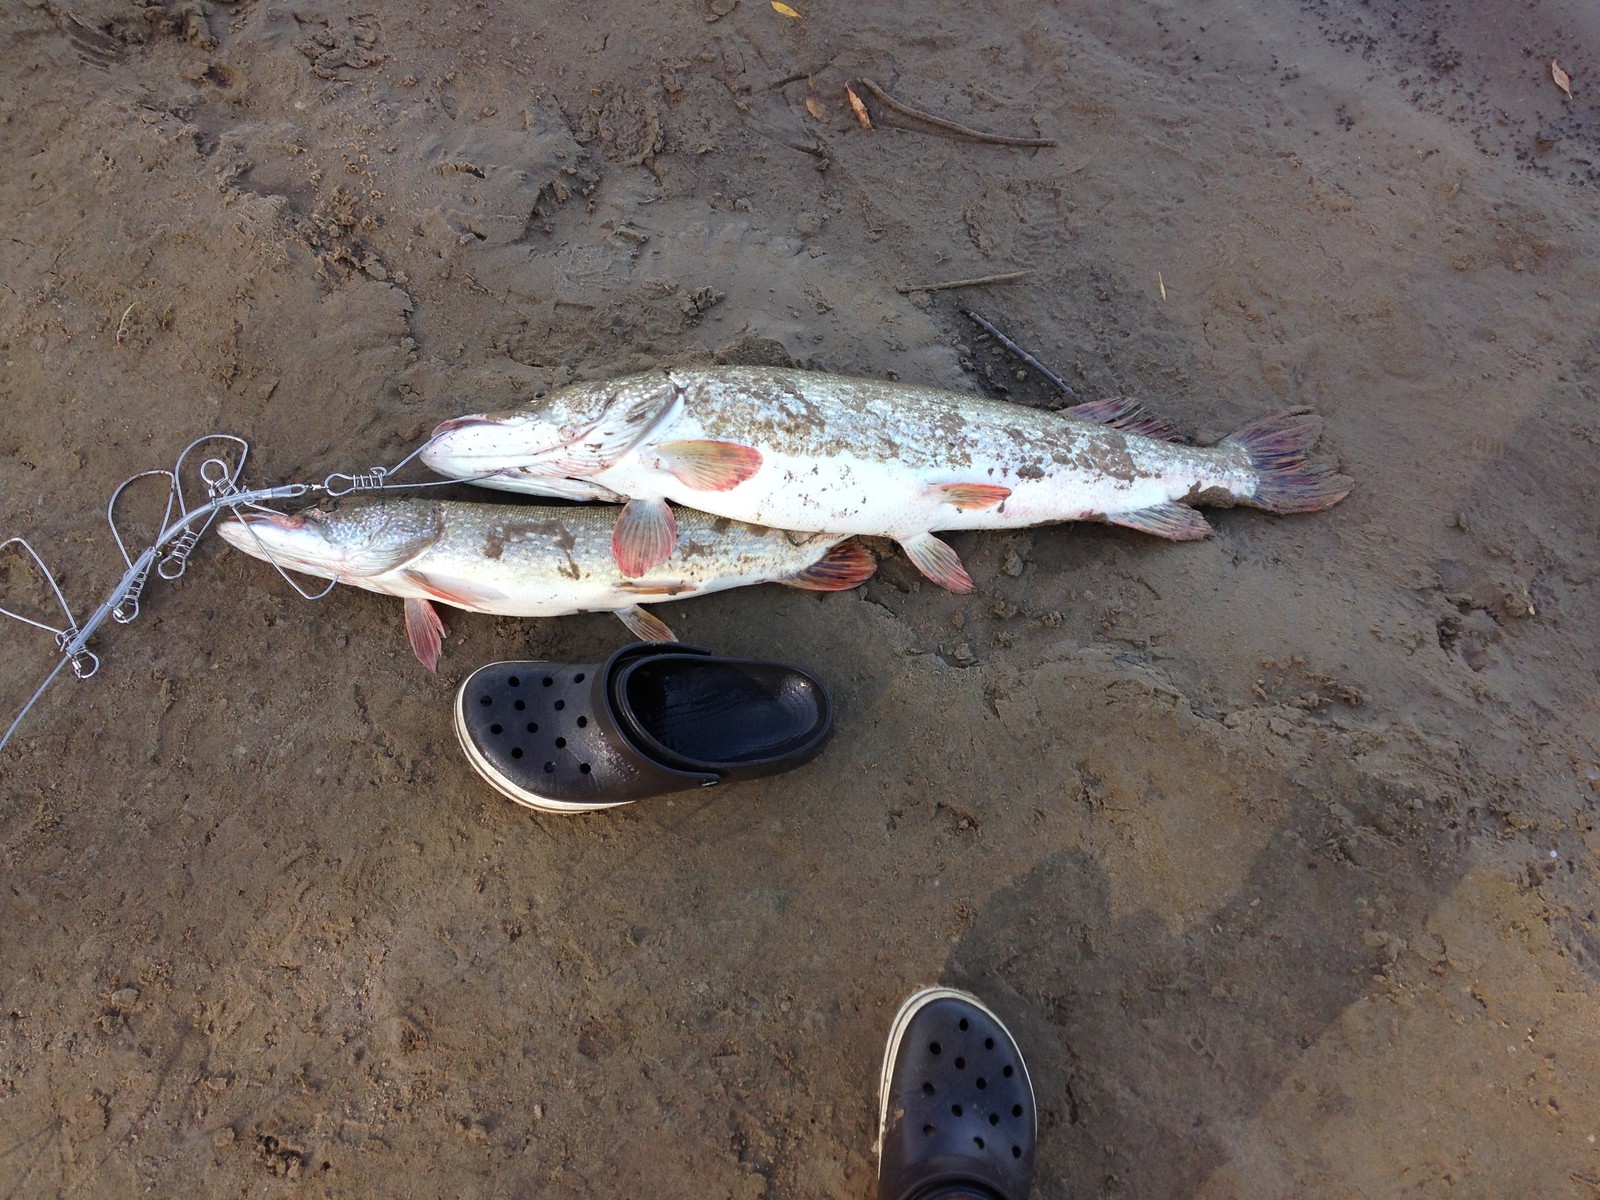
{"type": "Point", "coordinates": [652, 719]}
{"type": "Point", "coordinates": [956, 1114]}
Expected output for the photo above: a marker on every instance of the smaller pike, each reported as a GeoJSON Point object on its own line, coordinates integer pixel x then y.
{"type": "Point", "coordinates": [531, 560]}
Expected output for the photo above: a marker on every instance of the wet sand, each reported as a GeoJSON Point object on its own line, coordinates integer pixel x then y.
{"type": "Point", "coordinates": [1276, 850]}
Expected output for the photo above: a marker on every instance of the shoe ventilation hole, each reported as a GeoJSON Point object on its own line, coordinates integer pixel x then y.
{"type": "Point", "coordinates": [561, 743]}
{"type": "Point", "coordinates": [549, 682]}
{"type": "Point", "coordinates": [578, 678]}
{"type": "Point", "coordinates": [927, 1089]}
{"type": "Point", "coordinates": [961, 1063]}
{"type": "Point", "coordinates": [1016, 1152]}
{"type": "Point", "coordinates": [955, 1110]}
{"type": "Point", "coordinates": [978, 1142]}
{"type": "Point", "coordinates": [933, 1047]}
{"type": "Point", "coordinates": [583, 722]}
{"type": "Point", "coordinates": [560, 704]}
{"type": "Point", "coordinates": [497, 728]}
{"type": "Point", "coordinates": [584, 767]}
{"type": "Point", "coordinates": [964, 1025]}
{"type": "Point", "coordinates": [1016, 1110]}
{"type": "Point", "coordinates": [982, 1083]}
{"type": "Point", "coordinates": [988, 1043]}
{"type": "Point", "coordinates": [515, 681]}
{"type": "Point", "coordinates": [994, 1118]}
{"type": "Point", "coordinates": [928, 1131]}
{"type": "Point", "coordinates": [549, 768]}
{"type": "Point", "coordinates": [533, 727]}
{"type": "Point", "coordinates": [520, 705]}
{"type": "Point", "coordinates": [1007, 1072]}
{"type": "Point", "coordinates": [516, 752]}
{"type": "Point", "coordinates": [486, 701]}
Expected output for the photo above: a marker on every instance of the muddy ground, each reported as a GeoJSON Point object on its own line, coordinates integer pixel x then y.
{"type": "Point", "coordinates": [1277, 850]}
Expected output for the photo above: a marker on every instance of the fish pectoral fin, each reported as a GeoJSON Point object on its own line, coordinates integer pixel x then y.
{"type": "Point", "coordinates": [938, 562]}
{"type": "Point", "coordinates": [426, 633]}
{"type": "Point", "coordinates": [461, 593]}
{"type": "Point", "coordinates": [1171, 520]}
{"type": "Point", "coordinates": [708, 466]}
{"type": "Point", "coordinates": [656, 587]}
{"type": "Point", "coordinates": [644, 535]}
{"type": "Point", "coordinates": [1130, 416]}
{"type": "Point", "coordinates": [644, 626]}
{"type": "Point", "coordinates": [970, 497]}
{"type": "Point", "coordinates": [844, 566]}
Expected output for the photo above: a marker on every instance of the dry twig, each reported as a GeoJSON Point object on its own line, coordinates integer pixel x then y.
{"type": "Point", "coordinates": [976, 281]}
{"type": "Point", "coordinates": [977, 135]}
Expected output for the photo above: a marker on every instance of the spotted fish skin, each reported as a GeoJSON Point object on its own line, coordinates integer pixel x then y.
{"type": "Point", "coordinates": [522, 560]}
{"type": "Point", "coordinates": [809, 451]}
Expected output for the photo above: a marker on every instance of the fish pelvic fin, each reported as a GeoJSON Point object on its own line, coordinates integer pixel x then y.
{"type": "Point", "coordinates": [847, 565]}
{"type": "Point", "coordinates": [1130, 416]}
{"type": "Point", "coordinates": [938, 562]}
{"type": "Point", "coordinates": [645, 626]}
{"type": "Point", "coordinates": [1290, 479]}
{"type": "Point", "coordinates": [972, 497]}
{"type": "Point", "coordinates": [425, 631]}
{"type": "Point", "coordinates": [709, 466]}
{"type": "Point", "coordinates": [1173, 521]}
{"type": "Point", "coordinates": [644, 536]}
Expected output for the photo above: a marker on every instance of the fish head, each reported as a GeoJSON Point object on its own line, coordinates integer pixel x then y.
{"type": "Point", "coordinates": [573, 433]}
{"type": "Point", "coordinates": [338, 540]}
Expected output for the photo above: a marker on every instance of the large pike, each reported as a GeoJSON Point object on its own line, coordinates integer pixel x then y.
{"type": "Point", "coordinates": [807, 451]}
{"type": "Point", "coordinates": [519, 560]}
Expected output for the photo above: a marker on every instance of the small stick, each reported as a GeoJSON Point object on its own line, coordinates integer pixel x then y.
{"type": "Point", "coordinates": [976, 281]}
{"type": "Point", "coordinates": [1061, 384]}
{"type": "Point", "coordinates": [977, 135]}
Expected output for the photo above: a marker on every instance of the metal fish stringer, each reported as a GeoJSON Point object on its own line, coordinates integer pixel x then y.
{"type": "Point", "coordinates": [182, 527]}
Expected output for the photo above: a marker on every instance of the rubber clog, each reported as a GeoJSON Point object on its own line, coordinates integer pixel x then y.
{"type": "Point", "coordinates": [653, 719]}
{"type": "Point", "coordinates": [956, 1111]}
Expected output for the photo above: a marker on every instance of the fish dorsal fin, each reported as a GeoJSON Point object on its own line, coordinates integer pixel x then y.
{"type": "Point", "coordinates": [644, 535]}
{"type": "Point", "coordinates": [425, 632]}
{"type": "Point", "coordinates": [1127, 415]}
{"type": "Point", "coordinates": [844, 566]}
{"type": "Point", "coordinates": [643, 406]}
{"type": "Point", "coordinates": [645, 626]}
{"type": "Point", "coordinates": [709, 466]}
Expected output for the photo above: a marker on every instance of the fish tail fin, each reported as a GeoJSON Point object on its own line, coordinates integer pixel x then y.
{"type": "Point", "coordinates": [1289, 478]}
{"type": "Point", "coordinates": [844, 566]}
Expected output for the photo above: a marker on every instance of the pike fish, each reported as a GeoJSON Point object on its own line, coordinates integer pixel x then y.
{"type": "Point", "coordinates": [808, 451]}
{"type": "Point", "coordinates": [532, 560]}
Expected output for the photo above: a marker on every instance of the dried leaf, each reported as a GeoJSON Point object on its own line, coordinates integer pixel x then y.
{"type": "Point", "coordinates": [857, 107]}
{"type": "Point", "coordinates": [783, 10]}
{"type": "Point", "coordinates": [814, 107]}
{"type": "Point", "coordinates": [1563, 80]}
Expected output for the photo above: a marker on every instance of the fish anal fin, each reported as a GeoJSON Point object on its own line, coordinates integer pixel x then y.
{"type": "Point", "coordinates": [938, 562]}
{"type": "Point", "coordinates": [644, 535]}
{"type": "Point", "coordinates": [425, 631]}
{"type": "Point", "coordinates": [1130, 416]}
{"type": "Point", "coordinates": [847, 565]}
{"type": "Point", "coordinates": [1171, 520]}
{"type": "Point", "coordinates": [971, 497]}
{"type": "Point", "coordinates": [645, 626]}
{"type": "Point", "coordinates": [709, 466]}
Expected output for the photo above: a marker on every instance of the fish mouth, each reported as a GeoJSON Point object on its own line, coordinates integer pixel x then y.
{"type": "Point", "coordinates": [457, 423]}
{"type": "Point", "coordinates": [481, 444]}
{"type": "Point", "coordinates": [273, 536]}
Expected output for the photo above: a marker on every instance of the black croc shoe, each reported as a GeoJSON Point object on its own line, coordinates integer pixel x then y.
{"type": "Point", "coordinates": [956, 1113]}
{"type": "Point", "coordinates": [654, 718]}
